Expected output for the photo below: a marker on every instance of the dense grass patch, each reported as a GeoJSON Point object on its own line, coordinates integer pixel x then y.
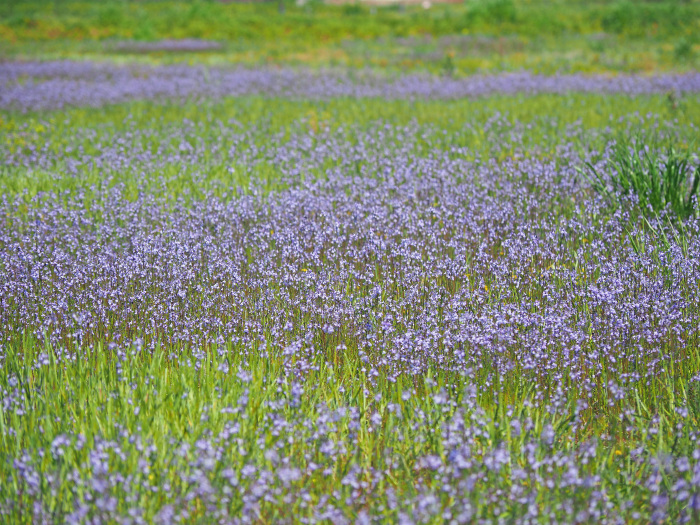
{"type": "Point", "coordinates": [660, 180]}
{"type": "Point", "coordinates": [214, 437]}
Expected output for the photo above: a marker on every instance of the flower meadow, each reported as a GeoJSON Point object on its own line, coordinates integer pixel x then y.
{"type": "Point", "coordinates": [258, 296]}
{"type": "Point", "coordinates": [50, 85]}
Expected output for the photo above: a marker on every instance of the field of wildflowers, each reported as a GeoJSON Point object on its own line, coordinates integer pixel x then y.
{"type": "Point", "coordinates": [276, 295]}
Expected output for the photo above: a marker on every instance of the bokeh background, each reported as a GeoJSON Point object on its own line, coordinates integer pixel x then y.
{"type": "Point", "coordinates": [455, 38]}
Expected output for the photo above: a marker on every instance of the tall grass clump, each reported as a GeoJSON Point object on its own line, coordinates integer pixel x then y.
{"type": "Point", "coordinates": [661, 180]}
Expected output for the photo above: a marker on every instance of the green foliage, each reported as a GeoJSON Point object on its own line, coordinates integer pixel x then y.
{"type": "Point", "coordinates": [448, 66]}
{"type": "Point", "coordinates": [660, 180]}
{"type": "Point", "coordinates": [110, 15]}
{"type": "Point", "coordinates": [641, 18]}
{"type": "Point", "coordinates": [619, 18]}
{"type": "Point", "coordinates": [684, 49]}
{"type": "Point", "coordinates": [491, 12]}
{"type": "Point", "coordinates": [353, 9]}
{"type": "Point", "coordinates": [485, 35]}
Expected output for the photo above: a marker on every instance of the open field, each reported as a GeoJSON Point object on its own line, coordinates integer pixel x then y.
{"type": "Point", "coordinates": [259, 309]}
{"type": "Point", "coordinates": [244, 291]}
{"type": "Point", "coordinates": [476, 36]}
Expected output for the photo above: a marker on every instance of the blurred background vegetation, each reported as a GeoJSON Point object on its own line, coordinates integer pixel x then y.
{"type": "Point", "coordinates": [447, 38]}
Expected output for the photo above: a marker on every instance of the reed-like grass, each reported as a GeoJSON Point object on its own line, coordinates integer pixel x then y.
{"type": "Point", "coordinates": [663, 180]}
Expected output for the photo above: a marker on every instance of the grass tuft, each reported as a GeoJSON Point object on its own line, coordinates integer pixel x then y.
{"type": "Point", "coordinates": [661, 180]}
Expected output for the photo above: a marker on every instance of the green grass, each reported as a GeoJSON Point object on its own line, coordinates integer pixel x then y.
{"type": "Point", "coordinates": [487, 35]}
{"type": "Point", "coordinates": [171, 404]}
{"type": "Point", "coordinates": [496, 128]}
{"type": "Point", "coordinates": [661, 180]}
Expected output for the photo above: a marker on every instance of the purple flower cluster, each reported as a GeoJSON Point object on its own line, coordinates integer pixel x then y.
{"type": "Point", "coordinates": [46, 85]}
{"type": "Point", "coordinates": [419, 261]}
